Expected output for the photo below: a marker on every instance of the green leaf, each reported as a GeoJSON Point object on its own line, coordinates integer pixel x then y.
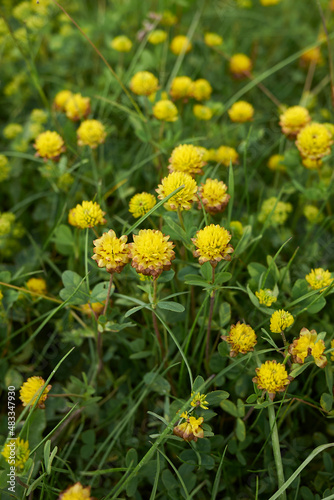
{"type": "Point", "coordinates": [206, 271]}
{"type": "Point", "coordinates": [131, 456]}
{"type": "Point", "coordinates": [71, 281]}
{"type": "Point", "coordinates": [64, 240]}
{"type": "Point", "coordinates": [99, 292]}
{"type": "Point", "coordinates": [240, 430]}
{"type": "Point", "coordinates": [214, 398]}
{"type": "Point", "coordinates": [326, 401]}
{"type": "Point", "coordinates": [222, 277]}
{"type": "Point", "coordinates": [297, 370]}
{"type": "Point", "coordinates": [157, 383]}
{"type": "Point", "coordinates": [195, 279]}
{"type": "Point", "coordinates": [224, 314]}
{"type": "Point", "coordinates": [198, 382]}
{"type": "Point", "coordinates": [166, 276]}
{"type": "Point", "coordinates": [230, 408]}
{"type": "Point", "coordinates": [171, 306]}
{"type": "Point", "coordinates": [141, 355]}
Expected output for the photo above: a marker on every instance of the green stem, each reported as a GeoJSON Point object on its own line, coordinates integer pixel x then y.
{"type": "Point", "coordinates": [154, 318]}
{"type": "Point", "coordinates": [86, 262]}
{"type": "Point", "coordinates": [179, 214]}
{"type": "Point", "coordinates": [212, 302]}
{"type": "Point", "coordinates": [276, 449]}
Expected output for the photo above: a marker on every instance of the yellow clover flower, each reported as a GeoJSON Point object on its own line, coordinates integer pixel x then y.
{"type": "Point", "coordinates": [12, 130]}
{"type": "Point", "coordinates": [180, 44]}
{"type": "Point", "coordinates": [313, 214]}
{"type": "Point", "coordinates": [272, 377]}
{"type": "Point", "coordinates": [186, 158]}
{"type": "Point", "coordinates": [157, 36]}
{"type": "Point", "coordinates": [213, 194]}
{"type": "Point", "coordinates": [111, 252]}
{"type": "Point", "coordinates": [49, 145]}
{"type": "Point", "coordinates": [38, 116]}
{"type": "Point", "coordinates": [182, 200]}
{"type": "Point", "coordinates": [191, 429]}
{"type": "Point", "coordinates": [226, 155]}
{"type": "Point", "coordinates": [266, 297]}
{"type": "Point", "coordinates": [151, 252]}
{"type": "Point", "coordinates": [144, 83]}
{"type": "Point", "coordinates": [212, 244]}
{"type": "Point", "coordinates": [37, 285]}
{"type": "Point", "coordinates": [311, 56]}
{"type": "Point", "coordinates": [165, 110]}
{"type": "Point", "coordinates": [76, 492]}
{"type": "Point", "coordinates": [121, 43]}
{"type": "Point", "coordinates": [308, 344]}
{"type": "Point", "coordinates": [319, 278]}
{"type": "Point", "coordinates": [202, 112]}
{"type": "Point", "coordinates": [181, 87]}
{"type": "Point", "coordinates": [236, 228]}
{"type": "Point", "coordinates": [86, 215]}
{"type": "Point", "coordinates": [77, 107]}
{"type": "Point", "coordinates": [91, 133]}
{"type": "Point", "coordinates": [241, 112]}
{"type": "Point", "coordinates": [30, 390]}
{"type": "Point", "coordinates": [293, 120]}
{"type": "Point", "coordinates": [275, 163]}
{"type": "Point", "coordinates": [199, 400]}
{"type": "Point", "coordinates": [7, 220]}
{"type": "Point", "coordinates": [16, 452]}
{"type": "Point", "coordinates": [280, 321]}
{"type": "Point", "coordinates": [168, 18]}
{"type": "Point", "coordinates": [279, 211]}
{"type": "Point", "coordinates": [201, 90]}
{"type": "Point", "coordinates": [141, 203]}
{"type": "Point", "coordinates": [266, 3]}
{"type": "Point", "coordinates": [314, 141]}
{"type": "Point", "coordinates": [240, 65]}
{"type": "Point", "coordinates": [311, 164]}
{"type": "Point", "coordinates": [96, 307]}
{"type": "Point", "coordinates": [242, 339]}
{"type": "Point", "coordinates": [213, 39]}
{"type": "Point", "coordinates": [4, 168]}
{"type": "Point", "coordinates": [61, 99]}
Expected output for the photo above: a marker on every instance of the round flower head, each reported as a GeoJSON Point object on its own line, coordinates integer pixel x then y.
{"type": "Point", "coordinates": [313, 214]}
{"type": "Point", "coordinates": [91, 133]}
{"type": "Point", "coordinates": [30, 390]}
{"type": "Point", "coordinates": [199, 400]}
{"type": "Point", "coordinates": [111, 252]}
{"type": "Point", "coordinates": [168, 18]}
{"type": "Point", "coordinates": [181, 87]}
{"type": "Point", "coordinates": [182, 200]}
{"type": "Point", "coordinates": [319, 278]}
{"type": "Point", "coordinates": [77, 107]}
{"type": "Point", "coordinates": [240, 65]}
{"type": "Point", "coordinates": [236, 228]}
{"type": "Point", "coordinates": [141, 203]}
{"type": "Point", "coordinates": [212, 244]}
{"type": "Point", "coordinates": [121, 43]}
{"type": "Point", "coordinates": [266, 297]}
{"type": "Point", "coordinates": [280, 321]}
{"type": "Point", "coordinates": [272, 377]}
{"type": "Point", "coordinates": [37, 285]}
{"type": "Point", "coordinates": [180, 44]}
{"type": "Point", "coordinates": [96, 307]}
{"type": "Point", "coordinates": [49, 145]}
{"type": "Point", "coordinates": [311, 164]}
{"type": "Point", "coordinates": [275, 163]}
{"type": "Point", "coordinates": [76, 492]}
{"type": "Point", "coordinates": [12, 130]}
{"type": "Point", "coordinates": [7, 220]}
{"type": "Point", "coordinates": [191, 429]}
{"type": "Point", "coordinates": [38, 116]}
{"type": "Point", "coordinates": [144, 83]}
{"type": "Point", "coordinates": [311, 56]}
{"type": "Point", "coordinates": [314, 141]}
{"type": "Point", "coordinates": [205, 152]}
{"type": "Point", "coordinates": [4, 168]}
{"type": "Point", "coordinates": [165, 111]}
{"type": "Point", "coordinates": [278, 211]}
{"type": "Point", "coordinates": [241, 112]}
{"type": "Point", "coordinates": [186, 158]}
{"type": "Point", "coordinates": [293, 120]}
{"type": "Point", "coordinates": [151, 252]}
{"type": "Point", "coordinates": [61, 99]}
{"type": "Point", "coordinates": [266, 3]}
{"type": "Point", "coordinates": [214, 196]}
{"type": "Point", "coordinates": [88, 214]}
{"type": "Point", "coordinates": [308, 344]}
{"type": "Point", "coordinates": [157, 36]}
{"type": "Point", "coordinates": [202, 112]}
{"type": "Point", "coordinates": [242, 339]}
{"type": "Point", "coordinates": [213, 39]}
{"type": "Point", "coordinates": [201, 90]}
{"type": "Point", "coordinates": [19, 456]}
{"type": "Point", "coordinates": [226, 155]}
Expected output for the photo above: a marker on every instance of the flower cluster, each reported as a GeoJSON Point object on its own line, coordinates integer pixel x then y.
{"type": "Point", "coordinates": [141, 203]}
{"type": "Point", "coordinates": [266, 297]}
{"type": "Point", "coordinates": [278, 211]}
{"type": "Point", "coordinates": [212, 245]}
{"type": "Point", "coordinates": [186, 158]}
{"type": "Point", "coordinates": [213, 195]}
{"type": "Point", "coordinates": [111, 252]}
{"type": "Point", "coordinates": [76, 492]}
{"type": "Point", "coordinates": [151, 252]}
{"type": "Point", "coordinates": [280, 321]}
{"type": "Point", "coordinates": [21, 453]}
{"type": "Point", "coordinates": [191, 429]}
{"type": "Point", "coordinates": [182, 200]}
{"type": "Point", "coordinates": [319, 278]}
{"type": "Point", "coordinates": [88, 214]}
{"type": "Point", "coordinates": [272, 377]}
{"type": "Point", "coordinates": [49, 145]}
{"type": "Point", "coordinates": [31, 389]}
{"type": "Point", "coordinates": [242, 339]}
{"type": "Point", "coordinates": [308, 344]}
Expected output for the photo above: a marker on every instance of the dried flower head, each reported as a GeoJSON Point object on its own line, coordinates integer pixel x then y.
{"type": "Point", "coordinates": [314, 141]}
{"type": "Point", "coordinates": [275, 163]}
{"type": "Point", "coordinates": [181, 87]}
{"type": "Point", "coordinates": [91, 133]}
{"type": "Point", "coordinates": [226, 155]}
{"type": "Point", "coordinates": [180, 44]}
{"type": "Point", "coordinates": [242, 339]}
{"type": "Point", "coordinates": [272, 377]}
{"type": "Point", "coordinates": [77, 107]}
{"type": "Point", "coordinates": [111, 252]}
{"type": "Point", "coordinates": [213, 39]}
{"type": "Point", "coordinates": [202, 112]}
{"type": "Point", "coordinates": [213, 194]}
{"type": "Point", "coordinates": [16, 452]}
{"type": "Point", "coordinates": [151, 252]}
{"type": "Point", "coordinates": [201, 90]}
{"type": "Point", "coordinates": [165, 111]}
{"type": "Point", "coordinates": [49, 145]}
{"type": "Point", "coordinates": [319, 278]}
{"type": "Point", "coordinates": [186, 158]}
{"type": "Point", "coordinates": [76, 492]}
{"type": "Point", "coordinates": [182, 200]}
{"type": "Point", "coordinates": [308, 344]}
{"type": "Point", "coordinates": [293, 120]}
{"type": "Point", "coordinates": [212, 244]}
{"type": "Point", "coordinates": [199, 400]}
{"type": "Point", "coordinates": [144, 83]}
{"type": "Point", "coordinates": [37, 285]}
{"type": "Point", "coordinates": [141, 203]}
{"type": "Point", "coordinates": [121, 43]}
{"type": "Point", "coordinates": [30, 390]}
{"type": "Point", "coordinates": [191, 429]}
{"type": "Point", "coordinates": [280, 321]}
{"type": "Point", "coordinates": [241, 112]}
{"type": "Point", "coordinates": [88, 214]}
{"type": "Point", "coordinates": [240, 65]}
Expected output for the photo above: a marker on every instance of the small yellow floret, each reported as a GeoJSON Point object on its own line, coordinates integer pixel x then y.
{"type": "Point", "coordinates": [111, 252]}
{"type": "Point", "coordinates": [86, 215]}
{"type": "Point", "coordinates": [77, 107]}
{"type": "Point", "coordinates": [202, 112]}
{"type": "Point", "coordinates": [141, 203]}
{"type": "Point", "coordinates": [91, 133]}
{"type": "Point", "coordinates": [189, 430]}
{"type": "Point", "coordinates": [121, 43]}
{"type": "Point", "coordinates": [212, 244]}
{"type": "Point", "coordinates": [314, 141]}
{"type": "Point", "coordinates": [213, 194]}
{"type": "Point", "coordinates": [242, 339]}
{"type": "Point", "coordinates": [16, 452]}
{"type": "Point", "coordinates": [182, 200]}
{"type": "Point", "coordinates": [180, 44]}
{"type": "Point", "coordinates": [266, 297]}
{"type": "Point", "coordinates": [293, 120]}
{"type": "Point", "coordinates": [241, 112]}
{"type": "Point", "coordinates": [319, 278]}
{"type": "Point", "coordinates": [226, 155]}
{"type": "Point", "coordinates": [186, 158]}
{"type": "Point", "coordinates": [240, 65]}
{"type": "Point", "coordinates": [76, 492]}
{"type": "Point", "coordinates": [308, 344]}
{"type": "Point", "coordinates": [165, 110]}
{"type": "Point", "coordinates": [213, 39]}
{"type": "Point", "coordinates": [157, 36]}
{"type": "Point", "coordinates": [199, 400]}
{"type": "Point", "coordinates": [151, 252]}
{"type": "Point", "coordinates": [30, 390]}
{"type": "Point", "coordinates": [49, 145]}
{"type": "Point", "coordinates": [201, 90]}
{"type": "Point", "coordinates": [37, 285]}
{"type": "Point", "coordinates": [272, 377]}
{"type": "Point", "coordinates": [181, 87]}
{"type": "Point", "coordinates": [280, 321]}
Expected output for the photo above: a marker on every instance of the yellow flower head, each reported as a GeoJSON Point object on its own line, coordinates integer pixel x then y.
{"type": "Point", "coordinates": [12, 130]}
{"type": "Point", "coordinates": [141, 203]}
{"type": "Point", "coordinates": [7, 220]}
{"type": "Point", "coordinates": [151, 252]}
{"type": "Point", "coordinates": [49, 145]}
{"type": "Point", "coordinates": [37, 285]}
{"type": "Point", "coordinates": [76, 492]}
{"type": "Point", "coordinates": [38, 116]}
{"type": "Point", "coordinates": [236, 228]}
{"type": "Point", "coordinates": [165, 111]}
{"type": "Point", "coordinates": [77, 107]}
{"type": "Point", "coordinates": [319, 278]}
{"type": "Point", "coordinates": [213, 194]}
{"type": "Point", "coordinates": [181, 87]}
{"type": "Point", "coordinates": [157, 36]}
{"type": "Point", "coordinates": [205, 152]}
{"type": "Point", "coordinates": [30, 390]}
{"type": "Point", "coordinates": [311, 164]}
{"type": "Point", "coordinates": [202, 112]}
{"type": "Point", "coordinates": [121, 43]}
{"type": "Point", "coordinates": [186, 158]}
{"type": "Point", "coordinates": [277, 210]}
{"type": "Point", "coordinates": [91, 133]}
{"type": "Point", "coordinates": [293, 120]}
{"type": "Point", "coordinates": [280, 321]}
{"type": "Point", "coordinates": [266, 297]}
{"type": "Point", "coordinates": [272, 377]}
{"type": "Point", "coordinates": [88, 214]}
{"type": "Point", "coordinates": [308, 344]}
{"type": "Point", "coordinates": [201, 89]}
{"type": "Point", "coordinates": [212, 244]}
{"type": "Point", "coordinates": [275, 162]}
{"type": "Point", "coordinates": [226, 155]}
{"type": "Point", "coordinates": [182, 200]}
{"type": "Point", "coordinates": [144, 83]}
{"type": "Point", "coordinates": [241, 112]}
{"type": "Point", "coordinates": [242, 339]}
{"type": "Point", "coordinates": [4, 168]}
{"type": "Point", "coordinates": [96, 307]}
{"type": "Point", "coordinates": [266, 3]}
{"type": "Point", "coordinates": [213, 39]}
{"type": "Point", "coordinates": [314, 141]}
{"type": "Point", "coordinates": [16, 452]}
{"type": "Point", "coordinates": [190, 430]}
{"type": "Point", "coordinates": [311, 56]}
{"type": "Point", "coordinates": [199, 400]}
{"type": "Point", "coordinates": [180, 44]}
{"type": "Point", "coordinates": [329, 126]}
{"type": "Point", "coordinates": [313, 214]}
{"type": "Point", "coordinates": [240, 65]}
{"type": "Point", "coordinates": [61, 99]}
{"type": "Point", "coordinates": [168, 18]}
{"type": "Point", "coordinates": [111, 252]}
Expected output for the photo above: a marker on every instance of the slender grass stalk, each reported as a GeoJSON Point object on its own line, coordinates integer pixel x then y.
{"type": "Point", "coordinates": [208, 332]}
{"type": "Point", "coordinates": [276, 449]}
{"type": "Point", "coordinates": [154, 318]}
